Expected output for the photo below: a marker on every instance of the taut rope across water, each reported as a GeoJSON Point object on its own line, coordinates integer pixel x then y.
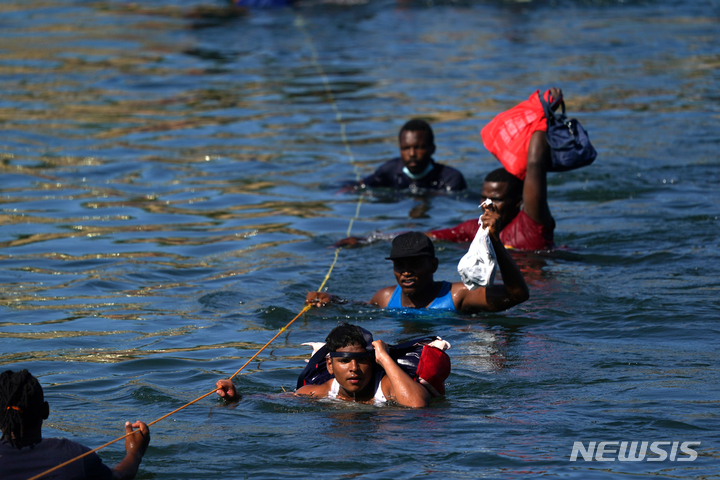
{"type": "Point", "coordinates": [300, 23]}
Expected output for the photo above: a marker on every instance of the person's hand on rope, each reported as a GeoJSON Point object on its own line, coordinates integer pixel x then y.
{"type": "Point", "coordinates": [321, 299]}
{"type": "Point", "coordinates": [349, 242]}
{"type": "Point", "coordinates": [353, 242]}
{"type": "Point", "coordinates": [226, 390]}
{"type": "Point", "coordinates": [135, 447]}
{"type": "Point", "coordinates": [138, 442]}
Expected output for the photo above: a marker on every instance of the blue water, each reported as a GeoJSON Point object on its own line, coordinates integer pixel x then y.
{"type": "Point", "coordinates": [170, 176]}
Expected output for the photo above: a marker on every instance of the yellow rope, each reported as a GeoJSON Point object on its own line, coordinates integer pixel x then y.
{"type": "Point", "coordinates": [305, 309]}
{"type": "Point", "coordinates": [300, 22]}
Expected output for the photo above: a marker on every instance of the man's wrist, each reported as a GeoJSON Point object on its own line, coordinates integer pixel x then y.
{"type": "Point", "coordinates": [337, 300]}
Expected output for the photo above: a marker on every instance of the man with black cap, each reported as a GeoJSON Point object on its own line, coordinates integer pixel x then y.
{"type": "Point", "coordinates": [414, 263]}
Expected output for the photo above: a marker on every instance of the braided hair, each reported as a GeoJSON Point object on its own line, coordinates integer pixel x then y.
{"type": "Point", "coordinates": [22, 405]}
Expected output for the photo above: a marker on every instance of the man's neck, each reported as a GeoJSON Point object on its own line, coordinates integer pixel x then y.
{"type": "Point", "coordinates": [421, 175]}
{"type": "Point", "coordinates": [30, 437]}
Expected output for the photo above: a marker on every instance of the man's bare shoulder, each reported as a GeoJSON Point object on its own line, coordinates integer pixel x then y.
{"type": "Point", "coordinates": [382, 297]}
{"type": "Point", "coordinates": [319, 391]}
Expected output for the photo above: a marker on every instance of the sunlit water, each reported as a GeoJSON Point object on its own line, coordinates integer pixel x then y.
{"type": "Point", "coordinates": [169, 192]}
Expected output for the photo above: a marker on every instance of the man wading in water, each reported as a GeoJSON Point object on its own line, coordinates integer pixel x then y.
{"type": "Point", "coordinates": [525, 219]}
{"type": "Point", "coordinates": [415, 168]}
{"type": "Point", "coordinates": [357, 378]}
{"type": "Point", "coordinates": [414, 263]}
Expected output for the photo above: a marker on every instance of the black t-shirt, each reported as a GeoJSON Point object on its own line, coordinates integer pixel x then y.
{"type": "Point", "coordinates": [50, 452]}
{"type": "Point", "coordinates": [390, 174]}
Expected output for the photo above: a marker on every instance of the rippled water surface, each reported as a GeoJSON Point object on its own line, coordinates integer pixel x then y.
{"type": "Point", "coordinates": [170, 191]}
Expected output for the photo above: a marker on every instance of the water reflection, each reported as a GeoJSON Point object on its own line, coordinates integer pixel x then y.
{"type": "Point", "coordinates": [169, 194]}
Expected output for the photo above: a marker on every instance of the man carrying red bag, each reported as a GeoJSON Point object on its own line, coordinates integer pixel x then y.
{"type": "Point", "coordinates": [517, 138]}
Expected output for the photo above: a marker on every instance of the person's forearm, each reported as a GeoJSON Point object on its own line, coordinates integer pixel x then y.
{"type": "Point", "coordinates": [407, 391]}
{"type": "Point", "coordinates": [535, 185]}
{"type": "Point", "coordinates": [128, 467]}
{"type": "Point", "coordinates": [513, 279]}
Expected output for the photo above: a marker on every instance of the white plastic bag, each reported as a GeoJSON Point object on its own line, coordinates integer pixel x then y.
{"type": "Point", "coordinates": [478, 266]}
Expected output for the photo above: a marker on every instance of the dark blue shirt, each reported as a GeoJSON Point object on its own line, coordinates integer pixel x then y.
{"type": "Point", "coordinates": [390, 174]}
{"type": "Point", "coordinates": [50, 452]}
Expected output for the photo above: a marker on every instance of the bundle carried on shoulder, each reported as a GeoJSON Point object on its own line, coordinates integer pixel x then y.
{"type": "Point", "coordinates": [507, 136]}
{"type": "Point", "coordinates": [423, 359]}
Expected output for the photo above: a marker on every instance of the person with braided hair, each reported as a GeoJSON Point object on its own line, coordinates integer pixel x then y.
{"type": "Point", "coordinates": [24, 452]}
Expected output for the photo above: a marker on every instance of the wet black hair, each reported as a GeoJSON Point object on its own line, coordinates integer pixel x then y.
{"type": "Point", "coordinates": [344, 335]}
{"type": "Point", "coordinates": [500, 175]}
{"type": "Point", "coordinates": [418, 125]}
{"type": "Point", "coordinates": [22, 405]}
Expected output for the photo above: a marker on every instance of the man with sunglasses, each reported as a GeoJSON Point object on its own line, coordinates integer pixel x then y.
{"type": "Point", "coordinates": [362, 373]}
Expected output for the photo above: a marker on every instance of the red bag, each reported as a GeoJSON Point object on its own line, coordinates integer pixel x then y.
{"type": "Point", "coordinates": [433, 369]}
{"type": "Point", "coordinates": [507, 136]}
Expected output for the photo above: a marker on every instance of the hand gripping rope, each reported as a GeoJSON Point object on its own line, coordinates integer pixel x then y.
{"type": "Point", "coordinates": [300, 23]}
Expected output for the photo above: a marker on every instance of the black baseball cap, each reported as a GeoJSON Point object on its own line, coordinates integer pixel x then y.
{"type": "Point", "coordinates": [411, 244]}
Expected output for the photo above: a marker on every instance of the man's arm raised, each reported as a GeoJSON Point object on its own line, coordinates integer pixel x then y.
{"type": "Point", "coordinates": [497, 297]}
{"type": "Point", "coordinates": [535, 202]}
{"type": "Point", "coordinates": [397, 385]}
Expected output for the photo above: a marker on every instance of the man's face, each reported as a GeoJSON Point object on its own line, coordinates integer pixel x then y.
{"type": "Point", "coordinates": [415, 150]}
{"type": "Point", "coordinates": [507, 205]}
{"type": "Point", "coordinates": [414, 274]}
{"type": "Point", "coordinates": [353, 374]}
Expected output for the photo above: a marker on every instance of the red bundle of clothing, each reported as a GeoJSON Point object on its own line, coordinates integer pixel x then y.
{"type": "Point", "coordinates": [507, 136]}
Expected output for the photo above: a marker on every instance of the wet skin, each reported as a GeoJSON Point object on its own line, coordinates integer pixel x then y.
{"type": "Point", "coordinates": [415, 151]}
{"type": "Point", "coordinates": [355, 375]}
{"type": "Point", "coordinates": [507, 205]}
{"type": "Point", "coordinates": [414, 275]}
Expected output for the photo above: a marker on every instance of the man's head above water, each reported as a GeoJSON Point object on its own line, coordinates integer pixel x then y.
{"type": "Point", "coordinates": [346, 335]}
{"type": "Point", "coordinates": [418, 125]}
{"type": "Point", "coordinates": [22, 407]}
{"type": "Point", "coordinates": [414, 263]}
{"type": "Point", "coordinates": [351, 361]}
{"type": "Point", "coordinates": [506, 192]}
{"type": "Point", "coordinates": [417, 145]}
{"type": "Point", "coordinates": [363, 372]}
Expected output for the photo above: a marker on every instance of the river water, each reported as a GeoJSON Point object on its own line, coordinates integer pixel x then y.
{"type": "Point", "coordinates": [170, 177]}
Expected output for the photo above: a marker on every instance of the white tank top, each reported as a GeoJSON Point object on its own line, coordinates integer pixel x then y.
{"type": "Point", "coordinates": [379, 395]}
